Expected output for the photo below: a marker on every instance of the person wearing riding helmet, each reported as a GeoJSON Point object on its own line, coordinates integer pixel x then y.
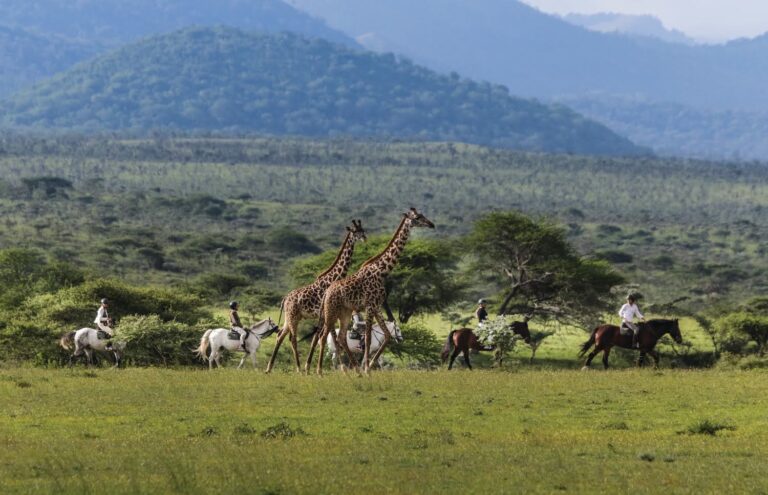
{"type": "Point", "coordinates": [234, 321]}
{"type": "Point", "coordinates": [481, 312]}
{"type": "Point", "coordinates": [104, 322]}
{"type": "Point", "coordinates": [628, 312]}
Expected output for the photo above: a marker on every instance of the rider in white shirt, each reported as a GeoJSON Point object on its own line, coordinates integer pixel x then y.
{"type": "Point", "coordinates": [628, 312]}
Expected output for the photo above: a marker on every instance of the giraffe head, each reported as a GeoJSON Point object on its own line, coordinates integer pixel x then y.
{"type": "Point", "coordinates": [418, 220]}
{"type": "Point", "coordinates": [357, 231]}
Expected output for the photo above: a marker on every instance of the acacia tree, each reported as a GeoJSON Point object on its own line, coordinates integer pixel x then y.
{"type": "Point", "coordinates": [538, 271]}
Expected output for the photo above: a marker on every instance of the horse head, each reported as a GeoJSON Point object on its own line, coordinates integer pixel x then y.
{"type": "Point", "coordinates": [394, 331]}
{"type": "Point", "coordinates": [521, 328]}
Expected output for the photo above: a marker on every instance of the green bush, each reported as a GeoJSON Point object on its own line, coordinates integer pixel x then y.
{"type": "Point", "coordinates": [420, 346]}
{"type": "Point", "coordinates": [152, 341]}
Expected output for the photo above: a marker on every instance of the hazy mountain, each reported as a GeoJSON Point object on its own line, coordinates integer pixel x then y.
{"type": "Point", "coordinates": [225, 79]}
{"type": "Point", "coordinates": [26, 58]}
{"type": "Point", "coordinates": [540, 55]}
{"type": "Point", "coordinates": [117, 21]}
{"type": "Point", "coordinates": [632, 25]}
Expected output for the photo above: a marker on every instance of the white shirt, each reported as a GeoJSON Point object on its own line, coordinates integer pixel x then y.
{"type": "Point", "coordinates": [101, 316]}
{"type": "Point", "coordinates": [629, 311]}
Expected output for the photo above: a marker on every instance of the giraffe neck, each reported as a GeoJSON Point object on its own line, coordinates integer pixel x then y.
{"type": "Point", "coordinates": [386, 261]}
{"type": "Point", "coordinates": [338, 269]}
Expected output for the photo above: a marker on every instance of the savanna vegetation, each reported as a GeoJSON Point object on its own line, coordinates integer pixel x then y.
{"type": "Point", "coordinates": [175, 227]}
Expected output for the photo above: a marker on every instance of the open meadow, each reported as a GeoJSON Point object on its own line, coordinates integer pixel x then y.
{"type": "Point", "coordinates": [517, 431]}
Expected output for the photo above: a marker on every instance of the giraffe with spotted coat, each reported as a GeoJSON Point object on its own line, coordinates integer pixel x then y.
{"type": "Point", "coordinates": [304, 302]}
{"type": "Point", "coordinates": [365, 291]}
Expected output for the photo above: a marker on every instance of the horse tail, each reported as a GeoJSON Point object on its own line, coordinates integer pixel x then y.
{"type": "Point", "coordinates": [67, 340]}
{"type": "Point", "coordinates": [448, 347]}
{"type": "Point", "coordinates": [589, 343]}
{"type": "Point", "coordinates": [202, 351]}
{"type": "Point", "coordinates": [310, 334]}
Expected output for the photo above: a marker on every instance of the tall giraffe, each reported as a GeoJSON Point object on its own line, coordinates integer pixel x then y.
{"type": "Point", "coordinates": [304, 302]}
{"type": "Point", "coordinates": [364, 291]}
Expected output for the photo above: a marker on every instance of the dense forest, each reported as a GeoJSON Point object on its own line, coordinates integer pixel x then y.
{"type": "Point", "coordinates": [230, 81]}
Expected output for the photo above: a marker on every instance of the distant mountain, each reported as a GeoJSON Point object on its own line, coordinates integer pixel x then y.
{"type": "Point", "coordinates": [632, 25]}
{"type": "Point", "coordinates": [118, 21]}
{"type": "Point", "coordinates": [26, 57]}
{"type": "Point", "coordinates": [677, 130]}
{"type": "Point", "coordinates": [540, 55]}
{"type": "Point", "coordinates": [223, 79]}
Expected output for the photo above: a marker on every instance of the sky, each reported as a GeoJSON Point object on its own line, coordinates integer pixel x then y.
{"type": "Point", "coordinates": [710, 21]}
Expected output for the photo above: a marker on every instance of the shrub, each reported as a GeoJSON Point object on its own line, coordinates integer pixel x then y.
{"type": "Point", "coordinates": [498, 333]}
{"type": "Point", "coordinates": [420, 346]}
{"type": "Point", "coordinates": [152, 341]}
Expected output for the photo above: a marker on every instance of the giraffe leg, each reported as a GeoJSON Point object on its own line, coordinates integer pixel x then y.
{"type": "Point", "coordinates": [312, 346]}
{"type": "Point", "coordinates": [341, 340]}
{"type": "Point", "coordinates": [280, 337]}
{"type": "Point", "coordinates": [295, 349]}
{"type": "Point", "coordinates": [321, 352]}
{"type": "Point", "coordinates": [374, 312]}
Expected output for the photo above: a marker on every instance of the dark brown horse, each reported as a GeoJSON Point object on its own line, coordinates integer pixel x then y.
{"type": "Point", "coordinates": [605, 337]}
{"type": "Point", "coordinates": [464, 339]}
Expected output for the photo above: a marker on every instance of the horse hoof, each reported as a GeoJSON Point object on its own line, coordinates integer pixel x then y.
{"type": "Point", "coordinates": [585, 368]}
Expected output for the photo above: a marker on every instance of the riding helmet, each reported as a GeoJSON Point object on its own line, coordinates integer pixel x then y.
{"type": "Point", "coordinates": [481, 301]}
{"type": "Point", "coordinates": [233, 305]}
{"type": "Point", "coordinates": [104, 300]}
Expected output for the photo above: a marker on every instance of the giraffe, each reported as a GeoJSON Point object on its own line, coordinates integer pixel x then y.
{"type": "Point", "coordinates": [364, 291]}
{"type": "Point", "coordinates": [304, 302]}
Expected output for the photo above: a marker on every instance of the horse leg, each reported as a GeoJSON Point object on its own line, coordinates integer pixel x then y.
{"type": "Point", "coordinates": [454, 355]}
{"type": "Point", "coordinates": [280, 337]}
{"type": "Point", "coordinates": [383, 325]}
{"type": "Point", "coordinates": [89, 356]}
{"type": "Point", "coordinates": [606, 353]}
{"type": "Point", "coordinates": [641, 359]}
{"type": "Point", "coordinates": [591, 356]}
{"type": "Point", "coordinates": [466, 353]}
{"type": "Point", "coordinates": [327, 329]}
{"type": "Point", "coordinates": [655, 356]}
{"type": "Point", "coordinates": [245, 355]}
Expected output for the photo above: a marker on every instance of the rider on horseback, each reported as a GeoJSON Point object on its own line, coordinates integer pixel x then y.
{"type": "Point", "coordinates": [103, 321]}
{"type": "Point", "coordinates": [481, 313]}
{"type": "Point", "coordinates": [628, 312]}
{"type": "Point", "coordinates": [234, 321]}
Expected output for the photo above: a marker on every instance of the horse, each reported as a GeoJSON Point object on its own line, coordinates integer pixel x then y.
{"type": "Point", "coordinates": [218, 338]}
{"type": "Point", "coordinates": [464, 339]}
{"type": "Point", "coordinates": [356, 345]}
{"type": "Point", "coordinates": [605, 337]}
{"type": "Point", "coordinates": [85, 341]}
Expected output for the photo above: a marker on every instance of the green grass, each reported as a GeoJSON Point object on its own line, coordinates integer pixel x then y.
{"type": "Point", "coordinates": [168, 431]}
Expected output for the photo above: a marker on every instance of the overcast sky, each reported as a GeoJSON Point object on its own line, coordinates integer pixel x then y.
{"type": "Point", "coordinates": [704, 20]}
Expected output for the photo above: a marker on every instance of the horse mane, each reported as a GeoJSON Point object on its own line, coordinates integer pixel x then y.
{"type": "Point", "coordinates": [338, 255]}
{"type": "Point", "coordinates": [389, 244]}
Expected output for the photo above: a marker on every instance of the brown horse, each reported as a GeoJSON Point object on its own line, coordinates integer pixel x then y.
{"type": "Point", "coordinates": [605, 337]}
{"type": "Point", "coordinates": [464, 339]}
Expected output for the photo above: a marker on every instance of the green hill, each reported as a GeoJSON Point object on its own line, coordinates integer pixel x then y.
{"type": "Point", "coordinates": [27, 57]}
{"type": "Point", "coordinates": [226, 80]}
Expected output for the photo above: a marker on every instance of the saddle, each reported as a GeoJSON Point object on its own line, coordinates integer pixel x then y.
{"type": "Point", "coordinates": [233, 335]}
{"type": "Point", "coordinates": [626, 331]}
{"type": "Point", "coordinates": [355, 335]}
{"type": "Point", "coordinates": [102, 335]}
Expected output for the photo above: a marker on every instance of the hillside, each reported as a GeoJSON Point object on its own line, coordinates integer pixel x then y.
{"type": "Point", "coordinates": [535, 54]}
{"type": "Point", "coordinates": [119, 21]}
{"type": "Point", "coordinates": [678, 130]}
{"type": "Point", "coordinates": [632, 25]}
{"type": "Point", "coordinates": [25, 57]}
{"type": "Point", "coordinates": [223, 79]}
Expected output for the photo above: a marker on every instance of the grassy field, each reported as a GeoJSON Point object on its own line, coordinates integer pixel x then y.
{"type": "Point", "coordinates": [173, 431]}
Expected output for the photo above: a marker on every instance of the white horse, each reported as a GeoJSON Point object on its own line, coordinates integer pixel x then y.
{"type": "Point", "coordinates": [218, 338]}
{"type": "Point", "coordinates": [85, 341]}
{"type": "Point", "coordinates": [356, 345]}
